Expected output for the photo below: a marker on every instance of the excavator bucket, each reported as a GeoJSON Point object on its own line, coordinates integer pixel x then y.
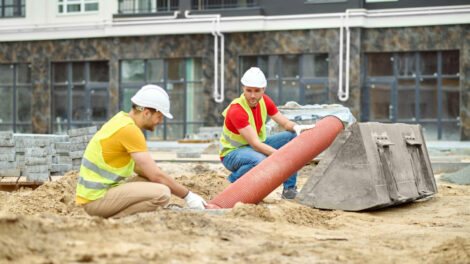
{"type": "Point", "coordinates": [370, 166]}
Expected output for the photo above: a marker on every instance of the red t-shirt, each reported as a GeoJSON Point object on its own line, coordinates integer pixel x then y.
{"type": "Point", "coordinates": [237, 118]}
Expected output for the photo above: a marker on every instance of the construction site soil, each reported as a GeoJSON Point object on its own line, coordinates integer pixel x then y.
{"type": "Point", "coordinates": [45, 226]}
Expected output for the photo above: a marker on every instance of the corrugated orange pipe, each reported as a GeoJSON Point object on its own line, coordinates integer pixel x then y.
{"type": "Point", "coordinates": [260, 181]}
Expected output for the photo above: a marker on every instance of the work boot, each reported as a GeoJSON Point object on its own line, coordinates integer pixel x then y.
{"type": "Point", "coordinates": [289, 193]}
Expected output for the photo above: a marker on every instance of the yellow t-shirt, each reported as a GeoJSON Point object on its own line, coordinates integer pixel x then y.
{"type": "Point", "coordinates": [117, 149]}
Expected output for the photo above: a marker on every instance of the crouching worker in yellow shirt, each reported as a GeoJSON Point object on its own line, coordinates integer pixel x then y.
{"type": "Point", "coordinates": [117, 150]}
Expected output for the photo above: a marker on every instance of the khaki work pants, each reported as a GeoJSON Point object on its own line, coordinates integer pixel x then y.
{"type": "Point", "coordinates": [130, 198]}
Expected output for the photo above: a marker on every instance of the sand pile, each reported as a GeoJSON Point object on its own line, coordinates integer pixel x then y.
{"type": "Point", "coordinates": [56, 197]}
{"type": "Point", "coordinates": [45, 226]}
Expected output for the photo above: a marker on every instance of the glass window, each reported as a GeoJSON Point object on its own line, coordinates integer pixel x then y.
{"type": "Point", "coordinates": [195, 102]}
{"type": "Point", "coordinates": [406, 64]}
{"type": "Point", "coordinates": [12, 8]}
{"type": "Point", "coordinates": [78, 72]}
{"type": "Point", "coordinates": [23, 74]}
{"type": "Point", "coordinates": [80, 95]}
{"type": "Point", "coordinates": [59, 104]}
{"type": "Point", "coordinates": [99, 104]}
{"type": "Point", "coordinates": [380, 64]}
{"type": "Point", "coordinates": [406, 99]}
{"type": "Point", "coordinates": [99, 71]}
{"type": "Point", "coordinates": [16, 92]}
{"type": "Point", "coordinates": [247, 62]}
{"type": "Point", "coordinates": [176, 93]}
{"type": "Point", "coordinates": [428, 63]}
{"type": "Point", "coordinates": [60, 72]}
{"type": "Point", "coordinates": [175, 69]}
{"type": "Point", "coordinates": [314, 65]}
{"type": "Point", "coordinates": [155, 71]}
{"type": "Point", "coordinates": [290, 91]}
{"type": "Point", "coordinates": [290, 66]}
{"type": "Point", "coordinates": [182, 78]}
{"type": "Point", "coordinates": [78, 103]}
{"type": "Point", "coordinates": [6, 74]}
{"type": "Point", "coordinates": [77, 6]}
{"type": "Point", "coordinates": [450, 62]}
{"type": "Point", "coordinates": [428, 99]}
{"type": "Point", "coordinates": [316, 93]}
{"type": "Point", "coordinates": [132, 71]}
{"type": "Point", "coordinates": [380, 101]}
{"type": "Point", "coordinates": [450, 98]}
{"type": "Point", "coordinates": [272, 90]}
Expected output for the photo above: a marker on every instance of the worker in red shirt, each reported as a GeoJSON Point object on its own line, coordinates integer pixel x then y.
{"type": "Point", "coordinates": [243, 143]}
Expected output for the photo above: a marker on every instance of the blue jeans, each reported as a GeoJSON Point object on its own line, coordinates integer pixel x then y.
{"type": "Point", "coordinates": [241, 160]}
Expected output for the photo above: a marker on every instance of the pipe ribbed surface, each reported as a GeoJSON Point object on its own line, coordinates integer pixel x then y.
{"type": "Point", "coordinates": [261, 180]}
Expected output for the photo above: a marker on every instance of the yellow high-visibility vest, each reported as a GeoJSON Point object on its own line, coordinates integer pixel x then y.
{"type": "Point", "coordinates": [230, 141]}
{"type": "Point", "coordinates": [96, 176]}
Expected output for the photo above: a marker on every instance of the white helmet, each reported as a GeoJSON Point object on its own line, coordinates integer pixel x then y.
{"type": "Point", "coordinates": [153, 96]}
{"type": "Point", "coordinates": [254, 77]}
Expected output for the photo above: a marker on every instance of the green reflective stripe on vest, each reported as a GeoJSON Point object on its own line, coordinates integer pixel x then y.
{"type": "Point", "coordinates": [93, 185]}
{"type": "Point", "coordinates": [103, 173]}
{"type": "Point", "coordinates": [96, 176]}
{"type": "Point", "coordinates": [230, 141]}
{"type": "Point", "coordinates": [233, 142]}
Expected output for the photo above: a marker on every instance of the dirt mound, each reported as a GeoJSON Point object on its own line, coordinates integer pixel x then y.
{"type": "Point", "coordinates": [455, 250]}
{"type": "Point", "coordinates": [57, 197]}
{"type": "Point", "coordinates": [45, 226]}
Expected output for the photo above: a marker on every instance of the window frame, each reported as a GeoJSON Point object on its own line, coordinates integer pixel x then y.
{"type": "Point", "coordinates": [82, 3]}
{"type": "Point", "coordinates": [164, 84]}
{"type": "Point", "coordinates": [299, 78]}
{"type": "Point", "coordinates": [418, 78]}
{"type": "Point", "coordinates": [88, 86]}
{"type": "Point", "coordinates": [19, 4]}
{"type": "Point", "coordinates": [15, 123]}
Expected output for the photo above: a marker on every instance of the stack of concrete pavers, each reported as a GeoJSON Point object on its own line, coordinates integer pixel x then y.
{"type": "Point", "coordinates": [79, 139]}
{"type": "Point", "coordinates": [38, 159]}
{"type": "Point", "coordinates": [61, 161]}
{"type": "Point", "coordinates": [36, 151]}
{"type": "Point", "coordinates": [8, 163]}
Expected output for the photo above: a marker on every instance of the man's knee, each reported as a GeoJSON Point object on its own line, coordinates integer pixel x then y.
{"type": "Point", "coordinates": [162, 195]}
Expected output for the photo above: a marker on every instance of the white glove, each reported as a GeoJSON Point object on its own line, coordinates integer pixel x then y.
{"type": "Point", "coordinates": [299, 128]}
{"type": "Point", "coordinates": [194, 201]}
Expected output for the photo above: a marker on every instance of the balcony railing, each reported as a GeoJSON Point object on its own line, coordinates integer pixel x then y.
{"type": "Point", "coordinates": [222, 4]}
{"type": "Point", "coordinates": [147, 6]}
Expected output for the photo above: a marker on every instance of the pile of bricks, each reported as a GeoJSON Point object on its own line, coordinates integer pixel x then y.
{"type": "Point", "coordinates": [79, 139]}
{"type": "Point", "coordinates": [39, 156]}
{"type": "Point", "coordinates": [8, 164]}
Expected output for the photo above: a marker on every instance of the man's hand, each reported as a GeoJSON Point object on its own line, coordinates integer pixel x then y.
{"type": "Point", "coordinates": [299, 128]}
{"type": "Point", "coordinates": [194, 201]}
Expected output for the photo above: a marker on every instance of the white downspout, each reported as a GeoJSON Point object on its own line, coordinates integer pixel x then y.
{"type": "Point", "coordinates": [343, 95]}
{"type": "Point", "coordinates": [216, 33]}
{"type": "Point", "coordinates": [340, 81]}
{"type": "Point", "coordinates": [219, 96]}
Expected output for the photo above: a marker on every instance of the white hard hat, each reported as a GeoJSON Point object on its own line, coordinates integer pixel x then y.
{"type": "Point", "coordinates": [153, 96]}
{"type": "Point", "coordinates": [254, 77]}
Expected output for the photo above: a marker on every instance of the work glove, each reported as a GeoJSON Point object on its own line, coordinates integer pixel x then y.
{"type": "Point", "coordinates": [299, 128]}
{"type": "Point", "coordinates": [194, 201]}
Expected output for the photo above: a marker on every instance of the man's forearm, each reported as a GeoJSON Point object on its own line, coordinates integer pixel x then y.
{"type": "Point", "coordinates": [263, 148]}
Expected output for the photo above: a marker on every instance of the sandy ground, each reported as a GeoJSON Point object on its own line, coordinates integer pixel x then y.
{"type": "Point", "coordinates": [45, 226]}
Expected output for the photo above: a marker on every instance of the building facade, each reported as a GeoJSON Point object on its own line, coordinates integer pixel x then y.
{"type": "Point", "coordinates": [73, 63]}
